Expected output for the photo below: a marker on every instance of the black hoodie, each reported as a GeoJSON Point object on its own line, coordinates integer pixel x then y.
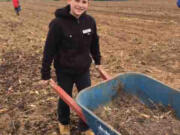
{"type": "Point", "coordinates": [70, 43]}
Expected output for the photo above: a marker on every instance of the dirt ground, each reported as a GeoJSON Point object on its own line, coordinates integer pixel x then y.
{"type": "Point", "coordinates": [136, 35]}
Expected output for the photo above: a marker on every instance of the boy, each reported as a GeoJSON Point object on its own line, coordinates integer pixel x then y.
{"type": "Point", "coordinates": [71, 42]}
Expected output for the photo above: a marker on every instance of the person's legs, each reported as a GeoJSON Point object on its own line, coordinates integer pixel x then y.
{"type": "Point", "coordinates": [83, 81]}
{"type": "Point", "coordinates": [65, 81]}
{"type": "Point", "coordinates": [17, 11]}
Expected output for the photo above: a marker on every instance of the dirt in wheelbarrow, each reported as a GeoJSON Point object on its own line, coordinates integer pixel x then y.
{"type": "Point", "coordinates": [129, 116]}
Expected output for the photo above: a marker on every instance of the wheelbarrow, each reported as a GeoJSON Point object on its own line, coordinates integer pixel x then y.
{"type": "Point", "coordinates": [147, 89]}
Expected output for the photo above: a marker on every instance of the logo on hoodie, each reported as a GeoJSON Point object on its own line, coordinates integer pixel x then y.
{"type": "Point", "coordinates": [87, 31]}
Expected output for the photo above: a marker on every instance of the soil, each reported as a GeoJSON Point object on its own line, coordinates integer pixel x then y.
{"type": "Point", "coordinates": [140, 36]}
{"type": "Point", "coordinates": [129, 116]}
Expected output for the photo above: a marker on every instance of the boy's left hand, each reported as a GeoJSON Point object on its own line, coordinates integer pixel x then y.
{"type": "Point", "coordinates": [98, 66]}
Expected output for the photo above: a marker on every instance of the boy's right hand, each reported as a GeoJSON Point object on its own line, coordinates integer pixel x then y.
{"type": "Point", "coordinates": [44, 82]}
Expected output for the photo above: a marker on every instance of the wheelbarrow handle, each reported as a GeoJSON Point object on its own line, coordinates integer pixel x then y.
{"type": "Point", "coordinates": [103, 73]}
{"type": "Point", "coordinates": [67, 99]}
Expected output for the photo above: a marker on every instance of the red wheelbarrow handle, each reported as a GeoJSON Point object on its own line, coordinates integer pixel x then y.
{"type": "Point", "coordinates": [103, 74]}
{"type": "Point", "coordinates": [69, 100]}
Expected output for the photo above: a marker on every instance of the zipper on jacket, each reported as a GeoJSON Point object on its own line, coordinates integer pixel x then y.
{"type": "Point", "coordinates": [78, 21]}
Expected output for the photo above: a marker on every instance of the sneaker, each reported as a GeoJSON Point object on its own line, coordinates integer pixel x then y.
{"type": "Point", "coordinates": [64, 129]}
{"type": "Point", "coordinates": [88, 132]}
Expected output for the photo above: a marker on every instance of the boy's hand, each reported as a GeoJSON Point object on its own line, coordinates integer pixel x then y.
{"type": "Point", "coordinates": [44, 82]}
{"type": "Point", "coordinates": [98, 66]}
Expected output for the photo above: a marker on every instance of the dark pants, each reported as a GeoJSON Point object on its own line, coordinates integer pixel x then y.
{"type": "Point", "coordinates": [66, 82]}
{"type": "Point", "coordinates": [17, 9]}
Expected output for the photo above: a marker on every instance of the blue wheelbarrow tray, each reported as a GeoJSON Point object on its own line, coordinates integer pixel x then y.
{"type": "Point", "coordinates": [147, 89]}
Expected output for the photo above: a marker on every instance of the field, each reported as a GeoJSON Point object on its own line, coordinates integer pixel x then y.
{"type": "Point", "coordinates": [135, 36]}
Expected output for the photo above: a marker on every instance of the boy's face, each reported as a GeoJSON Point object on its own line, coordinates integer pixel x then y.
{"type": "Point", "coordinates": [78, 7]}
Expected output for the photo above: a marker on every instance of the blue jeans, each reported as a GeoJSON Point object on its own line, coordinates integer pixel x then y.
{"type": "Point", "coordinates": [66, 82]}
{"type": "Point", "coordinates": [18, 9]}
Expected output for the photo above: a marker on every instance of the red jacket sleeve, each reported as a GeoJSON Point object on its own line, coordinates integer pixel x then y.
{"type": "Point", "coordinates": [15, 3]}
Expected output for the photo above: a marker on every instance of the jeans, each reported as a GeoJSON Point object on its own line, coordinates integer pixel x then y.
{"type": "Point", "coordinates": [66, 82]}
{"type": "Point", "coordinates": [18, 9]}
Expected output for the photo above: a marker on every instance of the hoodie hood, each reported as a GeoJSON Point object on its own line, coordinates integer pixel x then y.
{"type": "Point", "coordinates": [63, 12]}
